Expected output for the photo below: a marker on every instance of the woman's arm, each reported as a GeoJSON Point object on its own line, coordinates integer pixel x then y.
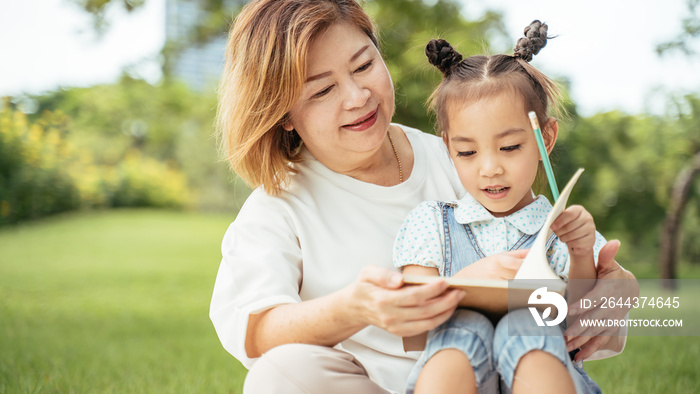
{"type": "Point", "coordinates": [375, 298]}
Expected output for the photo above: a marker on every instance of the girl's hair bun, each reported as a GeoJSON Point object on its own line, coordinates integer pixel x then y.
{"type": "Point", "coordinates": [441, 55]}
{"type": "Point", "coordinates": [535, 39]}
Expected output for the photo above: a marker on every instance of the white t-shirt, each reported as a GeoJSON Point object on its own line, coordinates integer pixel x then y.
{"type": "Point", "coordinates": [314, 238]}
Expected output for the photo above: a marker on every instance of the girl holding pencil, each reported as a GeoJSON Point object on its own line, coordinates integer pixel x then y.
{"type": "Point", "coordinates": [482, 107]}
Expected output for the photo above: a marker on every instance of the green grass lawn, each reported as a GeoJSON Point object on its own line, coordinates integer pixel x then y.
{"type": "Point", "coordinates": [112, 301]}
{"type": "Point", "coordinates": [117, 301]}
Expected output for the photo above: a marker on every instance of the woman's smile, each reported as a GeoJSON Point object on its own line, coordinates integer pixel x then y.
{"type": "Point", "coordinates": [363, 123]}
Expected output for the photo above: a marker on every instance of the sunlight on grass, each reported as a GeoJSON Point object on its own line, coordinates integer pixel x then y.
{"type": "Point", "coordinates": [656, 364]}
{"type": "Point", "coordinates": [117, 301]}
{"type": "Point", "coordinates": [112, 302]}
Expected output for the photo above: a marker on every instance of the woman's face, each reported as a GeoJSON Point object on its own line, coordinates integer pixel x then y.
{"type": "Point", "coordinates": [347, 101]}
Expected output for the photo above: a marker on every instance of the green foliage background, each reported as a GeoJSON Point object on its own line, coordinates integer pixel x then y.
{"type": "Point", "coordinates": [133, 144]}
{"type": "Point", "coordinates": [136, 144]}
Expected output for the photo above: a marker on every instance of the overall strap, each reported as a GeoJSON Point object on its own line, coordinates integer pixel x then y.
{"type": "Point", "coordinates": [526, 241]}
{"type": "Point", "coordinates": [460, 247]}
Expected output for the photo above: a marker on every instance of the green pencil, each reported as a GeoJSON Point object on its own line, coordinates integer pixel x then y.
{"type": "Point", "coordinates": [545, 158]}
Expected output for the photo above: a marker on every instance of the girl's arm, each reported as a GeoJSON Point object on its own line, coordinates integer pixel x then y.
{"type": "Point", "coordinates": [375, 298]}
{"type": "Point", "coordinates": [576, 228]}
{"type": "Point", "coordinates": [420, 270]}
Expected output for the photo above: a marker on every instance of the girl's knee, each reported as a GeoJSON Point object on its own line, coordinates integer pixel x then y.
{"type": "Point", "coordinates": [520, 323]}
{"type": "Point", "coordinates": [464, 327]}
{"type": "Point", "coordinates": [517, 338]}
{"type": "Point", "coordinates": [471, 320]}
{"type": "Point", "coordinates": [468, 332]}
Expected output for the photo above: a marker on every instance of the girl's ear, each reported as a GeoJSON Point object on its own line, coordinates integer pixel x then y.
{"type": "Point", "coordinates": [445, 140]}
{"type": "Point", "coordinates": [550, 133]}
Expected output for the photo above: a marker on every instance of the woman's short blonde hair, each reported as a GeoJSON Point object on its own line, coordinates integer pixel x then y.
{"type": "Point", "coordinates": [263, 78]}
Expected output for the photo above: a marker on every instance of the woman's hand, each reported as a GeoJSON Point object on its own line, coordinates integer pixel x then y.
{"type": "Point", "coordinates": [499, 266]}
{"type": "Point", "coordinates": [590, 339]}
{"type": "Point", "coordinates": [379, 298]}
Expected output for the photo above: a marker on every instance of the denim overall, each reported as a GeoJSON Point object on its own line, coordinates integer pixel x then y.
{"type": "Point", "coordinates": [493, 352]}
{"type": "Point", "coordinates": [459, 254]}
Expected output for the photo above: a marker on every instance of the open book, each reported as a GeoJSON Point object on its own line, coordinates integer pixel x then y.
{"type": "Point", "coordinates": [493, 298]}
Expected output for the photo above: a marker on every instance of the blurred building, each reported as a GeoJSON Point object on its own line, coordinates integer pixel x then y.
{"type": "Point", "coordinates": [198, 66]}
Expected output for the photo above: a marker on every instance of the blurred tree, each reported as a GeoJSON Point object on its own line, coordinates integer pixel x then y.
{"type": "Point", "coordinates": [211, 20]}
{"type": "Point", "coordinates": [681, 189]}
{"type": "Point", "coordinates": [98, 9]}
{"type": "Point", "coordinates": [111, 119]}
{"type": "Point", "coordinates": [42, 172]}
{"type": "Point", "coordinates": [681, 192]}
{"type": "Point", "coordinates": [690, 26]}
{"type": "Point", "coordinates": [133, 114]}
{"type": "Point", "coordinates": [405, 27]}
{"type": "Point", "coordinates": [622, 155]}
{"type": "Point", "coordinates": [168, 123]}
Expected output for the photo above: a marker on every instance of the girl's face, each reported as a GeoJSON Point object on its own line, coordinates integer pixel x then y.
{"type": "Point", "coordinates": [495, 151]}
{"type": "Point", "coordinates": [347, 101]}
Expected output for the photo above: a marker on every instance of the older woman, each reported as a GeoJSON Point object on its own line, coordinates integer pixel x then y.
{"type": "Point", "coordinates": [306, 279]}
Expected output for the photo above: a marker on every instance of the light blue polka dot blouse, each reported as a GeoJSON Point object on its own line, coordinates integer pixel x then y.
{"type": "Point", "coordinates": [420, 239]}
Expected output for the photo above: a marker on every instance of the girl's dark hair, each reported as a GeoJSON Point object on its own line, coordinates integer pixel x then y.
{"type": "Point", "coordinates": [476, 77]}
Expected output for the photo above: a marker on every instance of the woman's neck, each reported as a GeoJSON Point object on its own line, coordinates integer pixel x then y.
{"type": "Point", "coordinates": [382, 166]}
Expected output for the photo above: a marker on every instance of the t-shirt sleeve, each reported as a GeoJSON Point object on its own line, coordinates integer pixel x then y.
{"type": "Point", "coordinates": [420, 238]}
{"type": "Point", "coordinates": [558, 255]}
{"type": "Point", "coordinates": [260, 268]}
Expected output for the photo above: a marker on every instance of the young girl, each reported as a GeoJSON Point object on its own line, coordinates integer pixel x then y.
{"type": "Point", "coordinates": [482, 110]}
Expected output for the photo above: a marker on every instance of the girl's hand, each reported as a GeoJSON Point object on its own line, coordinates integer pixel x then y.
{"type": "Point", "coordinates": [499, 266]}
{"type": "Point", "coordinates": [576, 228]}
{"type": "Point", "coordinates": [379, 298]}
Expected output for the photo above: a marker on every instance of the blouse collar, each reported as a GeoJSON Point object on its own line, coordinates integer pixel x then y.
{"type": "Point", "coordinates": [528, 220]}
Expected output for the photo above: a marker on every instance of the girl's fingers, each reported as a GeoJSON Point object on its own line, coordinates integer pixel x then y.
{"type": "Point", "coordinates": [565, 218]}
{"type": "Point", "coordinates": [517, 254]}
{"type": "Point", "coordinates": [577, 226]}
{"type": "Point", "coordinates": [571, 218]}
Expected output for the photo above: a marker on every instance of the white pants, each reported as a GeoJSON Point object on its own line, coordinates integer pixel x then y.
{"type": "Point", "coordinates": [308, 369]}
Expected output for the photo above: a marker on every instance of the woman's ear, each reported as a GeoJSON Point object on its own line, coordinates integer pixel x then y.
{"type": "Point", "coordinates": [550, 133]}
{"type": "Point", "coordinates": [287, 123]}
